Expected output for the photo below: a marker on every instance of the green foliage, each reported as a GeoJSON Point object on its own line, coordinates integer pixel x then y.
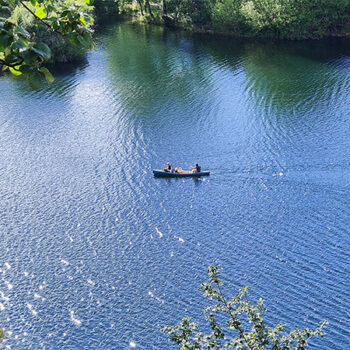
{"type": "Point", "coordinates": [227, 15]}
{"type": "Point", "coordinates": [290, 19]}
{"type": "Point", "coordinates": [286, 19]}
{"type": "Point", "coordinates": [199, 11]}
{"type": "Point", "coordinates": [26, 37]}
{"type": "Point", "coordinates": [5, 10]}
{"type": "Point", "coordinates": [236, 323]}
{"type": "Point", "coordinates": [106, 9]}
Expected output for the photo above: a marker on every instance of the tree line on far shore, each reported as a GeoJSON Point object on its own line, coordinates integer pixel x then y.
{"type": "Point", "coordinates": [282, 19]}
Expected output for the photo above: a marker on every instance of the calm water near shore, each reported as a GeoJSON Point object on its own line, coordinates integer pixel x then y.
{"type": "Point", "coordinates": [98, 254]}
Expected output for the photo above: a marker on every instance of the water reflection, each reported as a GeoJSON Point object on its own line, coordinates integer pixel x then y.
{"type": "Point", "coordinates": [155, 71]}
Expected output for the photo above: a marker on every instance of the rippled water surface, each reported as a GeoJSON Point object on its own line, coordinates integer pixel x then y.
{"type": "Point", "coordinates": [98, 254]}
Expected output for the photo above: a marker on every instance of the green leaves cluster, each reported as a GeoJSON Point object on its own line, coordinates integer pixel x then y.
{"type": "Point", "coordinates": [286, 19]}
{"type": "Point", "coordinates": [22, 54]}
{"type": "Point", "coordinates": [236, 323]}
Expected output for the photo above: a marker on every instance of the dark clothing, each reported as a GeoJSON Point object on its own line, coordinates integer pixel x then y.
{"type": "Point", "coordinates": [198, 168]}
{"type": "Point", "coordinates": [167, 168]}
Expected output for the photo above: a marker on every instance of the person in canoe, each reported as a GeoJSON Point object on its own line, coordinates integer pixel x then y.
{"type": "Point", "coordinates": [196, 168]}
{"type": "Point", "coordinates": [167, 167]}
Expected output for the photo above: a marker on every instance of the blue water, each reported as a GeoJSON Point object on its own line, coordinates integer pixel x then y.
{"type": "Point", "coordinates": [98, 254]}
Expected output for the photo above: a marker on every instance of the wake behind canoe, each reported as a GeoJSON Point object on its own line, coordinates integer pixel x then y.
{"type": "Point", "coordinates": [184, 173]}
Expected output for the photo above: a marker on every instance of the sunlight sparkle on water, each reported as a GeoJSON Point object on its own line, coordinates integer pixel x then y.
{"type": "Point", "coordinates": [160, 233]}
{"type": "Point", "coordinates": [65, 262]}
{"type": "Point", "coordinates": [31, 308]}
{"type": "Point", "coordinates": [9, 285]}
{"type": "Point", "coordinates": [76, 321]}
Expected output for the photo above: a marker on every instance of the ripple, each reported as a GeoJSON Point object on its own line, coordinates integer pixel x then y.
{"type": "Point", "coordinates": [90, 237]}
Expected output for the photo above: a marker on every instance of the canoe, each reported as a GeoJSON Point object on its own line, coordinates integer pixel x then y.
{"type": "Point", "coordinates": [157, 172]}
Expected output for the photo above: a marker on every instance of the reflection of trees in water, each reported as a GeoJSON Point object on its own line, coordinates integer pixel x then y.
{"type": "Point", "coordinates": [223, 50]}
{"type": "Point", "coordinates": [288, 75]}
{"type": "Point", "coordinates": [152, 67]}
{"type": "Point", "coordinates": [283, 75]}
{"type": "Point", "coordinates": [66, 78]}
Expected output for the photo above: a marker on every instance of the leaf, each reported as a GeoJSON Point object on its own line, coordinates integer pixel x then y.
{"type": "Point", "coordinates": [50, 8]}
{"type": "Point", "coordinates": [12, 59]}
{"type": "Point", "coordinates": [22, 31]}
{"type": "Point", "coordinates": [35, 80]}
{"type": "Point", "coordinates": [34, 2]}
{"type": "Point", "coordinates": [42, 49]}
{"type": "Point", "coordinates": [4, 41]}
{"type": "Point", "coordinates": [49, 77]}
{"type": "Point", "coordinates": [89, 2]}
{"type": "Point", "coordinates": [30, 58]}
{"type": "Point", "coordinates": [25, 69]}
{"type": "Point", "coordinates": [15, 70]}
{"type": "Point", "coordinates": [19, 45]}
{"type": "Point", "coordinates": [65, 13]}
{"type": "Point", "coordinates": [54, 22]}
{"type": "Point", "coordinates": [82, 20]}
{"type": "Point", "coordinates": [40, 12]}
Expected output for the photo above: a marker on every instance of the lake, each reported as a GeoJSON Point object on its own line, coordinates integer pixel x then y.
{"type": "Point", "coordinates": [96, 253]}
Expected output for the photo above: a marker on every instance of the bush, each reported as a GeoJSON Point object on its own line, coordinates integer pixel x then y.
{"type": "Point", "coordinates": [227, 15]}
{"type": "Point", "coordinates": [236, 323]}
{"type": "Point", "coordinates": [61, 47]}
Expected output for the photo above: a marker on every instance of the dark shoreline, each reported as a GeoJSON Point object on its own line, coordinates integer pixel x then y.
{"type": "Point", "coordinates": [223, 33]}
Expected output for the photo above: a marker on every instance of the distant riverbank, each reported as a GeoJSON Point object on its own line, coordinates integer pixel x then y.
{"type": "Point", "coordinates": [226, 33]}
{"type": "Point", "coordinates": [248, 18]}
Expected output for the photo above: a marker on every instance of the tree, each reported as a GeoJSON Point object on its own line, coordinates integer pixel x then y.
{"type": "Point", "coordinates": [227, 15]}
{"type": "Point", "coordinates": [22, 54]}
{"type": "Point", "coordinates": [244, 326]}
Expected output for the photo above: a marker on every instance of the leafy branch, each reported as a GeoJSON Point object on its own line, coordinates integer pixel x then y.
{"type": "Point", "coordinates": [34, 14]}
{"type": "Point", "coordinates": [244, 327]}
{"type": "Point", "coordinates": [21, 54]}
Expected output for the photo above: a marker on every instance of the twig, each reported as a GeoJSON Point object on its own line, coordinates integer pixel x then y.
{"type": "Point", "coordinates": [229, 307]}
{"type": "Point", "coordinates": [42, 21]}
